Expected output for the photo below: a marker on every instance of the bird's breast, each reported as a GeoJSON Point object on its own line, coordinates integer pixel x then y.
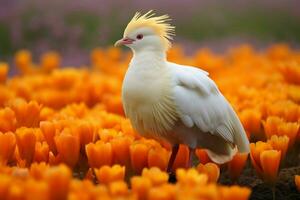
{"type": "Point", "coordinates": [148, 102]}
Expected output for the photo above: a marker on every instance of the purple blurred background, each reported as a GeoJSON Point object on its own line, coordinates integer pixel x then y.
{"type": "Point", "coordinates": [75, 27]}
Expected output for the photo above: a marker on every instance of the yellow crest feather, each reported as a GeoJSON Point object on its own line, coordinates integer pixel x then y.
{"type": "Point", "coordinates": [158, 23]}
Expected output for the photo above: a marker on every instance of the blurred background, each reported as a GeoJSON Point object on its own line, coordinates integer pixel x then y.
{"type": "Point", "coordinates": [73, 28]}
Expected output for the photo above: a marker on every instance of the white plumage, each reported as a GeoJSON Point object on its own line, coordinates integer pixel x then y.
{"type": "Point", "coordinates": [177, 103]}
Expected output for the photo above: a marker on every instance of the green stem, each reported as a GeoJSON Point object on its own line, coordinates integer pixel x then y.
{"type": "Point", "coordinates": [273, 192]}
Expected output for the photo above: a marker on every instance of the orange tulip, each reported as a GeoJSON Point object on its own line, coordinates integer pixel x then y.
{"type": "Point", "coordinates": [276, 126]}
{"type": "Point", "coordinates": [208, 191]}
{"type": "Point", "coordinates": [202, 156]}
{"type": "Point", "coordinates": [68, 147]}
{"type": "Point", "coordinates": [235, 192]}
{"type": "Point", "coordinates": [211, 170]}
{"type": "Point", "coordinates": [112, 121]}
{"type": "Point", "coordinates": [107, 135]}
{"type": "Point", "coordinates": [141, 186]}
{"type": "Point", "coordinates": [270, 161]}
{"type": "Point", "coordinates": [86, 133]}
{"type": "Point", "coordinates": [155, 175]}
{"type": "Point", "coordinates": [251, 120]}
{"type": "Point", "coordinates": [41, 152]}
{"type": "Point", "coordinates": [127, 129]}
{"type": "Point", "coordinates": [5, 184]}
{"type": "Point", "coordinates": [99, 154]}
{"type": "Point", "coordinates": [291, 130]}
{"type": "Point", "coordinates": [7, 147]}
{"type": "Point", "coordinates": [255, 151]}
{"type": "Point", "coordinates": [26, 141]}
{"type": "Point", "coordinates": [118, 188]}
{"type": "Point", "coordinates": [46, 114]}
{"type": "Point", "coordinates": [121, 151]}
{"type": "Point", "coordinates": [182, 158]}
{"type": "Point", "coordinates": [37, 170]}
{"type": "Point", "coordinates": [271, 126]}
{"type": "Point", "coordinates": [265, 160]}
{"type": "Point", "coordinates": [113, 104]}
{"type": "Point", "coordinates": [291, 72]}
{"type": "Point", "coordinates": [50, 61]}
{"type": "Point", "coordinates": [236, 165]}
{"type": "Point", "coordinates": [58, 179]}
{"type": "Point", "coordinates": [158, 157]}
{"type": "Point", "coordinates": [3, 72]}
{"type": "Point", "coordinates": [97, 55]}
{"type": "Point", "coordinates": [36, 190]}
{"type": "Point", "coordinates": [107, 174]}
{"type": "Point", "coordinates": [139, 156]}
{"type": "Point", "coordinates": [191, 177]}
{"type": "Point", "coordinates": [165, 192]}
{"type": "Point", "coordinates": [23, 61]}
{"type": "Point", "coordinates": [16, 191]}
{"type": "Point", "coordinates": [27, 113]}
{"type": "Point", "coordinates": [284, 109]}
{"type": "Point", "coordinates": [279, 143]}
{"type": "Point", "coordinates": [8, 120]}
{"type": "Point", "coordinates": [297, 182]}
{"type": "Point", "coordinates": [49, 132]}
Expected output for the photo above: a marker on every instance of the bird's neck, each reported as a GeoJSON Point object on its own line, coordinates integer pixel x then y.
{"type": "Point", "coordinates": [149, 56]}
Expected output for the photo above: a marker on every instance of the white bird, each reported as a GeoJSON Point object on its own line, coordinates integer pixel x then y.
{"type": "Point", "coordinates": [176, 103]}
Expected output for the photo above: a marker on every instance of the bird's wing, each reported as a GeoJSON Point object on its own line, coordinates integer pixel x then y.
{"type": "Point", "coordinates": [201, 104]}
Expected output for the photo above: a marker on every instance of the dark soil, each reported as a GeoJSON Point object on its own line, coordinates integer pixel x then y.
{"type": "Point", "coordinates": [285, 186]}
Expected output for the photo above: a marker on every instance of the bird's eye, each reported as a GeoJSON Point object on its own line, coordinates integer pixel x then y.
{"type": "Point", "coordinates": [139, 36]}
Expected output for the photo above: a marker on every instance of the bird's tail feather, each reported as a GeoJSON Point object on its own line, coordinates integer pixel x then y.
{"type": "Point", "coordinates": [222, 158]}
{"type": "Point", "coordinates": [240, 137]}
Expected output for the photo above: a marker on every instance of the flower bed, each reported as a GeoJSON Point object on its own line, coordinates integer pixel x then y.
{"type": "Point", "coordinates": [63, 134]}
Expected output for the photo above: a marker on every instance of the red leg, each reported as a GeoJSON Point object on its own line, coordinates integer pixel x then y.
{"type": "Point", "coordinates": [192, 152]}
{"type": "Point", "coordinates": [175, 149]}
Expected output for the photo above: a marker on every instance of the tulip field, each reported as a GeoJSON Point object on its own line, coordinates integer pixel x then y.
{"type": "Point", "coordinates": [63, 133]}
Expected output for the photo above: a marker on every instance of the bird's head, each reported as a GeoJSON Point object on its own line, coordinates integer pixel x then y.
{"type": "Point", "coordinates": [148, 32]}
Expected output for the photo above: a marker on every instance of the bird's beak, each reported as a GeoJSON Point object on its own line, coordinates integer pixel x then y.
{"type": "Point", "coordinates": [124, 41]}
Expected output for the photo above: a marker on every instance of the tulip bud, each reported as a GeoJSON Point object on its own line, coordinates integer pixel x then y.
{"type": "Point", "coordinates": [279, 143]}
{"type": "Point", "coordinates": [235, 192]}
{"type": "Point", "coordinates": [155, 175]}
{"type": "Point", "coordinates": [8, 121]}
{"type": "Point", "coordinates": [50, 61]}
{"type": "Point", "coordinates": [7, 147]}
{"type": "Point", "coordinates": [191, 177]}
{"type": "Point", "coordinates": [49, 132]}
{"type": "Point", "coordinates": [118, 188]}
{"type": "Point", "coordinates": [236, 165]}
{"type": "Point", "coordinates": [158, 157]}
{"type": "Point", "coordinates": [211, 170]}
{"type": "Point", "coordinates": [23, 61]}
{"type": "Point", "coordinates": [182, 158]}
{"type": "Point", "coordinates": [68, 147]}
{"type": "Point", "coordinates": [58, 179]}
{"type": "Point", "coordinates": [141, 186]}
{"type": "Point", "coordinates": [3, 72]}
{"type": "Point", "coordinates": [41, 152]}
{"type": "Point", "coordinates": [121, 150]}
{"type": "Point", "coordinates": [139, 156]}
{"type": "Point", "coordinates": [26, 141]}
{"type": "Point", "coordinates": [203, 156]}
{"type": "Point", "coordinates": [266, 161]}
{"type": "Point", "coordinates": [107, 174]}
{"type": "Point", "coordinates": [99, 154]}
